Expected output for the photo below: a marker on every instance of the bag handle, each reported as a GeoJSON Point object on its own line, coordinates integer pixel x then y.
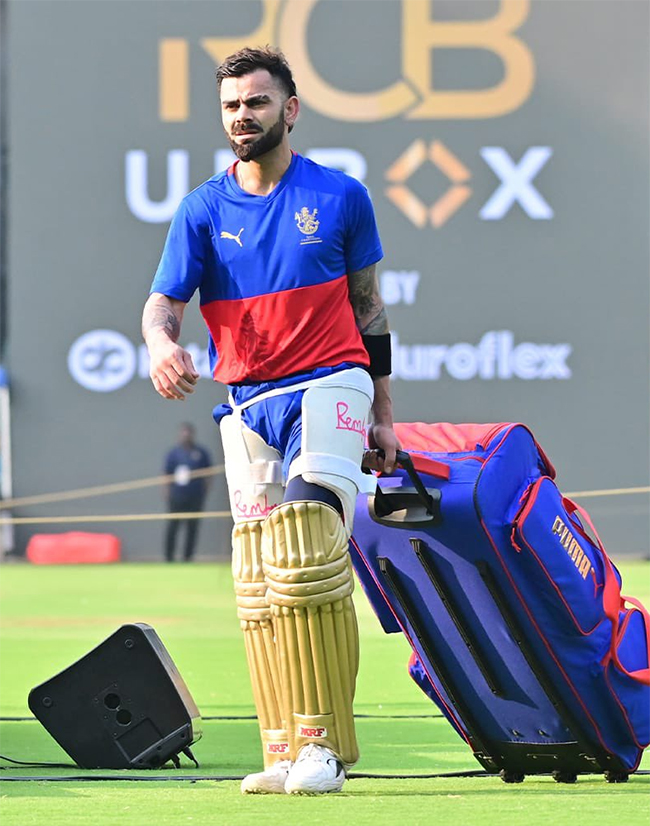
{"type": "Point", "coordinates": [405, 461]}
{"type": "Point", "coordinates": [417, 462]}
{"type": "Point", "coordinates": [425, 464]}
{"type": "Point", "coordinates": [613, 600]}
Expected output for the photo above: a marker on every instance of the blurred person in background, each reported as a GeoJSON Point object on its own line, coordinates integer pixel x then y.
{"type": "Point", "coordinates": [185, 493]}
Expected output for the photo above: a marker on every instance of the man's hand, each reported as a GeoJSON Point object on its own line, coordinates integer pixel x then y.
{"type": "Point", "coordinates": [380, 432]}
{"type": "Point", "coordinates": [381, 436]}
{"type": "Point", "coordinates": [171, 369]}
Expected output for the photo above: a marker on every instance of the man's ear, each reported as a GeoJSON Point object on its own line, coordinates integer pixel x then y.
{"type": "Point", "coordinates": [291, 111]}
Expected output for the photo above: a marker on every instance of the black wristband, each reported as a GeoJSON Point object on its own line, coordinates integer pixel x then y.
{"type": "Point", "coordinates": [378, 348]}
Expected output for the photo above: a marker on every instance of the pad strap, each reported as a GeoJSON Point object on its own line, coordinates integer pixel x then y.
{"type": "Point", "coordinates": [315, 463]}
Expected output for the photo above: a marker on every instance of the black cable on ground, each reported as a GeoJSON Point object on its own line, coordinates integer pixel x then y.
{"type": "Point", "coordinates": [36, 765]}
{"type": "Point", "coordinates": [79, 777]}
{"type": "Point", "coordinates": [193, 778]}
{"type": "Point", "coordinates": [254, 717]}
{"type": "Point", "coordinates": [374, 776]}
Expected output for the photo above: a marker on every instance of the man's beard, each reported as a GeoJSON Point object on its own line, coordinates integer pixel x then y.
{"type": "Point", "coordinates": [249, 151]}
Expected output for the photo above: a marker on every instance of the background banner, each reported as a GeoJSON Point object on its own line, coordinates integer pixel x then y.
{"type": "Point", "coordinates": [505, 146]}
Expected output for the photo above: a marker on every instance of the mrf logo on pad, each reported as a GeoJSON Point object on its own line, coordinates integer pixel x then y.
{"type": "Point", "coordinates": [311, 731]}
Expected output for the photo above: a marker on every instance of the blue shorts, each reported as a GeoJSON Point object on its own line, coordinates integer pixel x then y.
{"type": "Point", "coordinates": [278, 420]}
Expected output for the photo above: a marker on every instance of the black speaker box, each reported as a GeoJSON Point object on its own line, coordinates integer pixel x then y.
{"type": "Point", "coordinates": [122, 706]}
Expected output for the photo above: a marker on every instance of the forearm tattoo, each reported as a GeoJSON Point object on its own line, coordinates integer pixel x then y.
{"type": "Point", "coordinates": [377, 326]}
{"type": "Point", "coordinates": [367, 305]}
{"type": "Point", "coordinates": [157, 316]}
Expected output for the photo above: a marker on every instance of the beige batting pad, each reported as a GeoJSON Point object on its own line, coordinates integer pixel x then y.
{"type": "Point", "coordinates": [309, 577]}
{"type": "Point", "coordinates": [255, 620]}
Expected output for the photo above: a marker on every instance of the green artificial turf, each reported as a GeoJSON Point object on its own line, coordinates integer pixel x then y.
{"type": "Point", "coordinates": [51, 616]}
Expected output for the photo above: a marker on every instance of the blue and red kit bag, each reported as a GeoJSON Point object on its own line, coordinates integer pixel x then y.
{"type": "Point", "coordinates": [514, 611]}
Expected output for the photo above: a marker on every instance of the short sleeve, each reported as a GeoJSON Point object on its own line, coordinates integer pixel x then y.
{"type": "Point", "coordinates": [362, 244]}
{"type": "Point", "coordinates": [180, 270]}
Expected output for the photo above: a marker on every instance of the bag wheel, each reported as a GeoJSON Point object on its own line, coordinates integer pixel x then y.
{"type": "Point", "coordinates": [564, 776]}
{"type": "Point", "coordinates": [616, 776]}
{"type": "Point", "coordinates": [511, 777]}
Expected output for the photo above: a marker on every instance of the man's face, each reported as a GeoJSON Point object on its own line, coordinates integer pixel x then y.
{"type": "Point", "coordinates": [186, 436]}
{"type": "Point", "coordinates": [253, 113]}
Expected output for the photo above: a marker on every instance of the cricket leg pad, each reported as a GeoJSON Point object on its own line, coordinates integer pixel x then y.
{"type": "Point", "coordinates": [257, 626]}
{"type": "Point", "coordinates": [334, 418]}
{"type": "Point", "coordinates": [309, 577]}
{"type": "Point", "coordinates": [253, 471]}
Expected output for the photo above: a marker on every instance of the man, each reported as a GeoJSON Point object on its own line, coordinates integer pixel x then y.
{"type": "Point", "coordinates": [283, 253]}
{"type": "Point", "coordinates": [185, 493]}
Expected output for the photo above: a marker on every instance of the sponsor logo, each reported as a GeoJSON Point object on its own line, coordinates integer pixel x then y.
{"type": "Point", "coordinates": [346, 422]}
{"type": "Point", "coordinates": [102, 360]}
{"type": "Point", "coordinates": [496, 356]}
{"type": "Point", "coordinates": [311, 731]}
{"type": "Point", "coordinates": [516, 184]}
{"type": "Point", "coordinates": [232, 237]}
{"type": "Point", "coordinates": [105, 360]}
{"type": "Point", "coordinates": [573, 549]}
{"type": "Point", "coordinates": [277, 748]}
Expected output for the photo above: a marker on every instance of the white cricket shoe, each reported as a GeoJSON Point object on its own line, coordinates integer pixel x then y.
{"type": "Point", "coordinates": [317, 770]}
{"type": "Point", "coordinates": [270, 781]}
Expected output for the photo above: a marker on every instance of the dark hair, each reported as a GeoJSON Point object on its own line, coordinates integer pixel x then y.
{"type": "Point", "coordinates": [249, 60]}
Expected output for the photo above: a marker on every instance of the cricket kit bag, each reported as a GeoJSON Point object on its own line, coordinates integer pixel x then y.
{"type": "Point", "coordinates": [514, 611]}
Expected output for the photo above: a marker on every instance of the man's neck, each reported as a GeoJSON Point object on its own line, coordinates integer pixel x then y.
{"type": "Point", "coordinates": [261, 176]}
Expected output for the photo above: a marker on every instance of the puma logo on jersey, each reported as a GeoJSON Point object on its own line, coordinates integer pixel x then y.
{"type": "Point", "coordinates": [232, 237]}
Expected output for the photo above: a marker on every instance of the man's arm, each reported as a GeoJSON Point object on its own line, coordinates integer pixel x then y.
{"type": "Point", "coordinates": [171, 368]}
{"type": "Point", "coordinates": [372, 321]}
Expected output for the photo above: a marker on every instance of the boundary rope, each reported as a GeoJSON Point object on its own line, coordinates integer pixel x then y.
{"type": "Point", "coordinates": [152, 517]}
{"type": "Point", "coordinates": [152, 481]}
{"type": "Point", "coordinates": [584, 494]}
{"type": "Point", "coordinates": [103, 490]}
{"type": "Point", "coordinates": [120, 517]}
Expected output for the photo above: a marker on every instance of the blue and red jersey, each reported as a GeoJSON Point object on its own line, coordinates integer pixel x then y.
{"type": "Point", "coordinates": [272, 270]}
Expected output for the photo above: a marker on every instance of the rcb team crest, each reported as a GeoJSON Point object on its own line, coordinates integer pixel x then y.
{"type": "Point", "coordinates": [306, 221]}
